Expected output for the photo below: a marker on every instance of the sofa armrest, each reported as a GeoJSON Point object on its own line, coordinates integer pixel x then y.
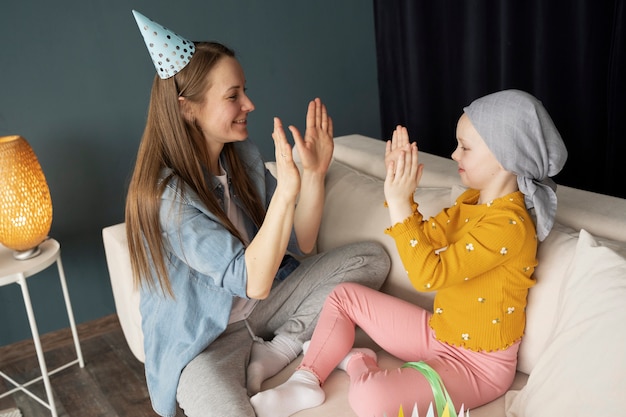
{"type": "Point", "coordinates": [125, 295]}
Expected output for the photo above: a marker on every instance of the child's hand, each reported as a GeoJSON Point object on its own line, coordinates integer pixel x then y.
{"type": "Point", "coordinates": [403, 177]}
{"type": "Point", "coordinates": [399, 142]}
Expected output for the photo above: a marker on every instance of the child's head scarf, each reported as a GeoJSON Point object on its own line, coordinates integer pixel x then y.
{"type": "Point", "coordinates": [520, 133]}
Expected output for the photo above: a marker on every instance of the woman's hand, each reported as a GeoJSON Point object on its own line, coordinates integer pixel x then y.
{"type": "Point", "coordinates": [287, 174]}
{"type": "Point", "coordinates": [316, 153]}
{"type": "Point", "coordinates": [266, 250]}
{"type": "Point", "coordinates": [316, 149]}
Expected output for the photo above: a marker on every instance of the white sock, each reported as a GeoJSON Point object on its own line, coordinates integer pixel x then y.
{"type": "Point", "coordinates": [343, 365]}
{"type": "Point", "coordinates": [269, 358]}
{"type": "Point", "coordinates": [301, 391]}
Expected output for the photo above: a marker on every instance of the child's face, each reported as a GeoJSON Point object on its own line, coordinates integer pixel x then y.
{"type": "Point", "coordinates": [478, 167]}
{"type": "Point", "coordinates": [223, 116]}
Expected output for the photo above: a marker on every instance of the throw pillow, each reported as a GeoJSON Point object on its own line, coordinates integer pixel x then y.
{"type": "Point", "coordinates": [554, 255]}
{"type": "Point", "coordinates": [582, 371]}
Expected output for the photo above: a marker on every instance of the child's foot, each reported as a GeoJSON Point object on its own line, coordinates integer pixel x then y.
{"type": "Point", "coordinates": [343, 365]}
{"type": "Point", "coordinates": [301, 391]}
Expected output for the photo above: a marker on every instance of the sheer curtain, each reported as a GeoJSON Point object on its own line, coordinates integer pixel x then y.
{"type": "Point", "coordinates": [434, 57]}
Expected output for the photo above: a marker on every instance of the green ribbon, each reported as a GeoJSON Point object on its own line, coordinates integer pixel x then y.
{"type": "Point", "coordinates": [440, 393]}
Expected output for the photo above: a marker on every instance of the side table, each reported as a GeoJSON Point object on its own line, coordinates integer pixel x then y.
{"type": "Point", "coordinates": [13, 271]}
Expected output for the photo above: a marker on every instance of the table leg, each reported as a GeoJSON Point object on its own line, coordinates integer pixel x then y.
{"type": "Point", "coordinates": [38, 348]}
{"type": "Point", "coordinates": [70, 313]}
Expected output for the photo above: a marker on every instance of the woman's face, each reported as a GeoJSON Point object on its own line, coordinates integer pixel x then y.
{"type": "Point", "coordinates": [223, 115]}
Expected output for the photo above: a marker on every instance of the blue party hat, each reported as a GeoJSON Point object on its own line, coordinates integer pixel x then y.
{"type": "Point", "coordinates": [170, 52]}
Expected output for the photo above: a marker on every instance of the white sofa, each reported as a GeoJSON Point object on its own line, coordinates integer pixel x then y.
{"type": "Point", "coordinates": [571, 360]}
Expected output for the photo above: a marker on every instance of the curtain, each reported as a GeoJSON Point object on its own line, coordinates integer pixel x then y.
{"type": "Point", "coordinates": [435, 57]}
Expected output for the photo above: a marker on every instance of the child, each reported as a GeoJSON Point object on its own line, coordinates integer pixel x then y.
{"type": "Point", "coordinates": [479, 255]}
{"type": "Point", "coordinates": [223, 305]}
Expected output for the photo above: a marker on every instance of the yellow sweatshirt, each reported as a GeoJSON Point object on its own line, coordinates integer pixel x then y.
{"type": "Point", "coordinates": [480, 259]}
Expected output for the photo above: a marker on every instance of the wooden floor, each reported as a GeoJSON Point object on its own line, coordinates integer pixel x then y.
{"type": "Point", "coordinates": [112, 383]}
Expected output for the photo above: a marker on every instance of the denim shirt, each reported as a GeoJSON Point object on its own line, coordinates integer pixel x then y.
{"type": "Point", "coordinates": [206, 268]}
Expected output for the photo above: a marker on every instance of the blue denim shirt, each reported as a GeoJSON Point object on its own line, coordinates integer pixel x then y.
{"type": "Point", "coordinates": [206, 269]}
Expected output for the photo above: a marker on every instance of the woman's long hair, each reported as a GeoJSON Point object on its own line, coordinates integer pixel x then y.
{"type": "Point", "coordinates": [171, 141]}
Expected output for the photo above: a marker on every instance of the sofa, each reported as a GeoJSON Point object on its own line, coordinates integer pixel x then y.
{"type": "Point", "coordinates": [571, 359]}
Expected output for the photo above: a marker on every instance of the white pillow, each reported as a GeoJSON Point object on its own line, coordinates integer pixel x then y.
{"type": "Point", "coordinates": [554, 255]}
{"type": "Point", "coordinates": [582, 371]}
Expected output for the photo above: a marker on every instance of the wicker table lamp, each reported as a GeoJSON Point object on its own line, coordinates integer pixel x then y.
{"type": "Point", "coordinates": [25, 203]}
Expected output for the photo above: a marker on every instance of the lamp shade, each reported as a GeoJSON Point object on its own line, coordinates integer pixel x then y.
{"type": "Point", "coordinates": [25, 203]}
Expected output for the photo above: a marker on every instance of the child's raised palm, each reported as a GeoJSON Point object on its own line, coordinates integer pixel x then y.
{"type": "Point", "coordinates": [399, 142]}
{"type": "Point", "coordinates": [403, 174]}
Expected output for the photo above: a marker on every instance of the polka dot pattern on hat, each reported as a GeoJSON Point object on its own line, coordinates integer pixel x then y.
{"type": "Point", "coordinates": [170, 52]}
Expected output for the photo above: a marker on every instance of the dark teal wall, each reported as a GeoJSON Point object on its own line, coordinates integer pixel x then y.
{"type": "Point", "coordinates": [75, 79]}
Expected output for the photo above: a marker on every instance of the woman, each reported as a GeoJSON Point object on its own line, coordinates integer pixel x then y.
{"type": "Point", "coordinates": [209, 231]}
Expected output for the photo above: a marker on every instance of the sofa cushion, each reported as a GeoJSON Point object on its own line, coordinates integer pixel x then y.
{"type": "Point", "coordinates": [599, 214]}
{"type": "Point", "coordinates": [581, 369]}
{"type": "Point", "coordinates": [554, 255]}
{"type": "Point", "coordinates": [354, 211]}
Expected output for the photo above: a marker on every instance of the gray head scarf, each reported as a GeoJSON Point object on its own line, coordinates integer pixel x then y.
{"type": "Point", "coordinates": [520, 133]}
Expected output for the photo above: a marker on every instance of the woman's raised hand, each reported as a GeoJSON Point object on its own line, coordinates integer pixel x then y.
{"type": "Point", "coordinates": [287, 174]}
{"type": "Point", "coordinates": [316, 149]}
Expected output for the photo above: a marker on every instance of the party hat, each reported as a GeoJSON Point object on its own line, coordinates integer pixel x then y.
{"type": "Point", "coordinates": [170, 52]}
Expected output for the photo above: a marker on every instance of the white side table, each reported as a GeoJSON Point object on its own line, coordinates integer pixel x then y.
{"type": "Point", "coordinates": [14, 271]}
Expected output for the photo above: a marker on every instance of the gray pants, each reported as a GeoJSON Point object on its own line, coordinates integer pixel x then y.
{"type": "Point", "coordinates": [214, 382]}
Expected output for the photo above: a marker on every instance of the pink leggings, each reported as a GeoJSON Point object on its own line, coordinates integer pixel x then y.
{"type": "Point", "coordinates": [400, 328]}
